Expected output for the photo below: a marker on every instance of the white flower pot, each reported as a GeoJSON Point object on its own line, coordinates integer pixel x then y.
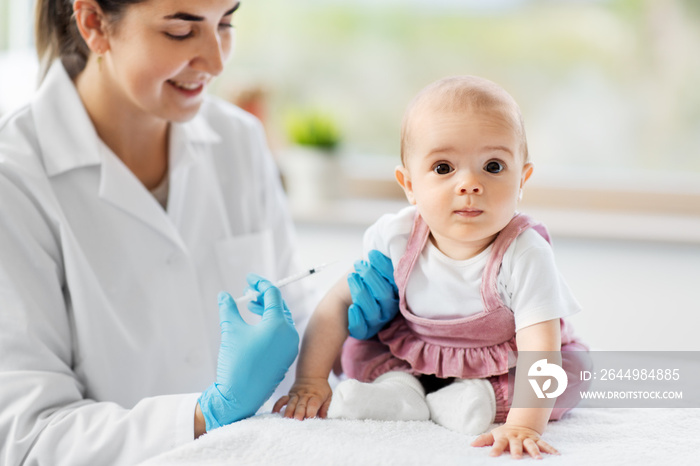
{"type": "Point", "coordinates": [312, 177]}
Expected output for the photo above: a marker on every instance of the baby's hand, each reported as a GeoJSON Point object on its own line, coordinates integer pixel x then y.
{"type": "Point", "coordinates": [307, 398]}
{"type": "Point", "coordinates": [515, 439]}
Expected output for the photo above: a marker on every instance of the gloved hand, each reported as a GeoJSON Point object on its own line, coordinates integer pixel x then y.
{"type": "Point", "coordinates": [257, 306]}
{"type": "Point", "coordinates": [253, 359]}
{"type": "Point", "coordinates": [374, 295]}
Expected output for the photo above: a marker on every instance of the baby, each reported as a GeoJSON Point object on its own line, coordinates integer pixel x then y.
{"type": "Point", "coordinates": [476, 280]}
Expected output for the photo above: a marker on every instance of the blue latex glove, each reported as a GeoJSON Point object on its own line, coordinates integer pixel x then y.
{"type": "Point", "coordinates": [374, 295]}
{"type": "Point", "coordinates": [257, 306]}
{"type": "Point", "coordinates": [253, 359]}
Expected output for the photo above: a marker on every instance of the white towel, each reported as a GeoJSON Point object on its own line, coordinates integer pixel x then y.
{"type": "Point", "coordinates": [586, 436]}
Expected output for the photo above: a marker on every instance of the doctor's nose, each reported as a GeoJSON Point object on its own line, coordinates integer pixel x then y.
{"type": "Point", "coordinates": [212, 56]}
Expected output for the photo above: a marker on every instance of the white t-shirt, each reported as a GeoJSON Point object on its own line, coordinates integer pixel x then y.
{"type": "Point", "coordinates": [443, 288]}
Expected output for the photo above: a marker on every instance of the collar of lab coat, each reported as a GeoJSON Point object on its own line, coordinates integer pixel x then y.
{"type": "Point", "coordinates": [65, 147]}
{"type": "Point", "coordinates": [75, 145]}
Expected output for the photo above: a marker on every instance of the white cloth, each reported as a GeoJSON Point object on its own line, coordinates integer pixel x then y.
{"type": "Point", "coordinates": [109, 325]}
{"type": "Point", "coordinates": [603, 437]}
{"type": "Point", "coordinates": [442, 288]}
{"type": "Point", "coordinates": [160, 192]}
{"type": "Point", "coordinates": [393, 396]}
{"type": "Point", "coordinates": [467, 406]}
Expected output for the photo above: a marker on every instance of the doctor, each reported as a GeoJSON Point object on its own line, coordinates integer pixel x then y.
{"type": "Point", "coordinates": [128, 200]}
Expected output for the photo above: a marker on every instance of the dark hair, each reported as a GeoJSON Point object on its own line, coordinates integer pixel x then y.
{"type": "Point", "coordinates": [57, 35]}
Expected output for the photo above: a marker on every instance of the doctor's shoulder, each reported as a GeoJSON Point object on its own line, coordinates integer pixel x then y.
{"type": "Point", "coordinates": [20, 152]}
{"type": "Point", "coordinates": [27, 204]}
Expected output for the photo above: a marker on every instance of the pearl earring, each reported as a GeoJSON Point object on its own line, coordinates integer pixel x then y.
{"type": "Point", "coordinates": [520, 194]}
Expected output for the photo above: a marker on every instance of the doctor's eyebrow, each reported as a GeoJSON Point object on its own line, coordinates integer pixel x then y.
{"type": "Point", "coordinates": [190, 17]}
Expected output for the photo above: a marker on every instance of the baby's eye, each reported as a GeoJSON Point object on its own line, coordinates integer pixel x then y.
{"type": "Point", "coordinates": [494, 167]}
{"type": "Point", "coordinates": [442, 169]}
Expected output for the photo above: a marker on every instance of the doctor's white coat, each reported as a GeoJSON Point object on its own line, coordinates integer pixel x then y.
{"type": "Point", "coordinates": [108, 312]}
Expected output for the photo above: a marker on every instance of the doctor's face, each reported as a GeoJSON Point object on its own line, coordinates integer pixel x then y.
{"type": "Point", "coordinates": [163, 53]}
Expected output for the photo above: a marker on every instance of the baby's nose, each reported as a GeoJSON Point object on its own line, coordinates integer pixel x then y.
{"type": "Point", "coordinates": [470, 185]}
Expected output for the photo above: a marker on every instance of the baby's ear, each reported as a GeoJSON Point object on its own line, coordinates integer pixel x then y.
{"type": "Point", "coordinates": [404, 179]}
{"type": "Point", "coordinates": [527, 173]}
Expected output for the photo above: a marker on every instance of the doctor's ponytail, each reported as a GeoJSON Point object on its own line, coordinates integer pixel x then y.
{"type": "Point", "coordinates": [57, 35]}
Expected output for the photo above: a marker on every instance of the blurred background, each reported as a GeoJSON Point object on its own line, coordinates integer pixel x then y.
{"type": "Point", "coordinates": [608, 90]}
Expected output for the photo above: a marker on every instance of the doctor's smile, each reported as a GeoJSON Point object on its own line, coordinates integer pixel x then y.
{"type": "Point", "coordinates": [189, 89]}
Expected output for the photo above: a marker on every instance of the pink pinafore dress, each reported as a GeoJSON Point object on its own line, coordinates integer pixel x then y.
{"type": "Point", "coordinates": [475, 346]}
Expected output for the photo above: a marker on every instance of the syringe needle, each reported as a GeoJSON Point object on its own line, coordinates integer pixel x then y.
{"type": "Point", "coordinates": [253, 295]}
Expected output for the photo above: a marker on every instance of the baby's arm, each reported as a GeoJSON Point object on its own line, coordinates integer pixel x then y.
{"type": "Point", "coordinates": [524, 426]}
{"type": "Point", "coordinates": [323, 340]}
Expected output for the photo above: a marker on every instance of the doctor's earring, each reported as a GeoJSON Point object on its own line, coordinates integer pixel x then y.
{"type": "Point", "coordinates": [100, 57]}
{"type": "Point", "coordinates": [520, 194]}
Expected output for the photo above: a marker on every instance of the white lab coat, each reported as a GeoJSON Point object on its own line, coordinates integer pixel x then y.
{"type": "Point", "coordinates": [108, 310]}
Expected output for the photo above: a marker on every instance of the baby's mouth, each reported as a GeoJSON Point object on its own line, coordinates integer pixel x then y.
{"type": "Point", "coordinates": [469, 212]}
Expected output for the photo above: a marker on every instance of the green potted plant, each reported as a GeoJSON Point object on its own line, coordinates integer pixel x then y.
{"type": "Point", "coordinates": [313, 129]}
{"type": "Point", "coordinates": [311, 166]}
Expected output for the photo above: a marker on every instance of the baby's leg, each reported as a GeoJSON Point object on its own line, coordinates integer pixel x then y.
{"type": "Point", "coordinates": [394, 396]}
{"type": "Point", "coordinates": [467, 406]}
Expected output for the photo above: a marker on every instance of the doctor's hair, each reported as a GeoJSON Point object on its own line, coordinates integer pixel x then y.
{"type": "Point", "coordinates": [456, 94]}
{"type": "Point", "coordinates": [57, 34]}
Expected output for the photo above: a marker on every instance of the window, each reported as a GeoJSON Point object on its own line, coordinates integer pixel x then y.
{"type": "Point", "coordinates": [608, 88]}
{"type": "Point", "coordinates": [18, 63]}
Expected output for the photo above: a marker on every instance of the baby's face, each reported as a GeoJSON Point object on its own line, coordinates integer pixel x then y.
{"type": "Point", "coordinates": [464, 171]}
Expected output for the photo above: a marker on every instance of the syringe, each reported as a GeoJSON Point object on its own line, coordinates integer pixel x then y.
{"type": "Point", "coordinates": [253, 295]}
